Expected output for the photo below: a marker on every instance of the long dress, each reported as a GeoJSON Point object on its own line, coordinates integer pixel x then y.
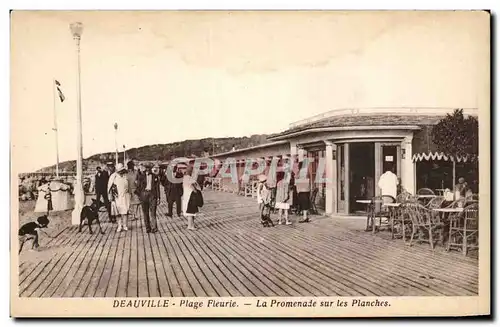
{"type": "Point", "coordinates": [187, 187]}
{"type": "Point", "coordinates": [303, 193]}
{"type": "Point", "coordinates": [283, 195]}
{"type": "Point", "coordinates": [121, 202]}
{"type": "Point", "coordinates": [260, 186]}
{"type": "Point", "coordinates": [132, 187]}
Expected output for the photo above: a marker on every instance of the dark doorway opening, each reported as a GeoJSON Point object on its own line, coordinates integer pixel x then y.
{"type": "Point", "coordinates": [361, 175]}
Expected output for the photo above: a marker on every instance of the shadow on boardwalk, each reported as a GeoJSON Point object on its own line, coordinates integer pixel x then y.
{"type": "Point", "coordinates": [232, 255]}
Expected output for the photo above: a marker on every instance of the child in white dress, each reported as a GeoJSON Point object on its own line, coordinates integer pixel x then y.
{"type": "Point", "coordinates": [283, 197]}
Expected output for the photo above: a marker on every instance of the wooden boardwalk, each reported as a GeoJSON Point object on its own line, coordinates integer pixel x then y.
{"type": "Point", "coordinates": [232, 255]}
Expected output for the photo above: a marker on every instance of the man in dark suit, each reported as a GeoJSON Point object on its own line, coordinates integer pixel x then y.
{"type": "Point", "coordinates": [148, 186]}
{"type": "Point", "coordinates": [173, 191]}
{"type": "Point", "coordinates": [101, 189]}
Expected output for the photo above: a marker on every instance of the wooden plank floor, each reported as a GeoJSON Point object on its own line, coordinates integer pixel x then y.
{"type": "Point", "coordinates": [232, 255]}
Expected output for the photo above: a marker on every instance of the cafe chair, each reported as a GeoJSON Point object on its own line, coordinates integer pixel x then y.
{"type": "Point", "coordinates": [463, 232]}
{"type": "Point", "coordinates": [425, 223]}
{"type": "Point", "coordinates": [400, 220]}
{"type": "Point", "coordinates": [404, 197]}
{"type": "Point", "coordinates": [380, 212]}
{"type": "Point", "coordinates": [435, 203]}
{"type": "Point", "coordinates": [472, 198]}
{"type": "Point", "coordinates": [425, 191]}
{"type": "Point", "coordinates": [459, 203]}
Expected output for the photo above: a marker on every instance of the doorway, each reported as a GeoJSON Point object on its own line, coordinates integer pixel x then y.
{"type": "Point", "coordinates": [390, 155]}
{"type": "Point", "coordinates": [361, 175]}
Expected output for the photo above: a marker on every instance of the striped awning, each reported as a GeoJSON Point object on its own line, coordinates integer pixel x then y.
{"type": "Point", "coordinates": [439, 156]}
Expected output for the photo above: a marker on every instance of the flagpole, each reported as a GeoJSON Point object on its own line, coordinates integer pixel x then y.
{"type": "Point", "coordinates": [55, 127]}
{"type": "Point", "coordinates": [76, 31]}
{"type": "Point", "coordinates": [116, 143]}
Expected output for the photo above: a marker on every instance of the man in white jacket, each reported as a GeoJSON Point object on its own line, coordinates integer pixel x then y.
{"type": "Point", "coordinates": [388, 182]}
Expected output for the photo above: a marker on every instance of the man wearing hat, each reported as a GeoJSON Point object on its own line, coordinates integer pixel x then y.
{"type": "Point", "coordinates": [148, 185]}
{"type": "Point", "coordinates": [110, 166]}
{"type": "Point", "coordinates": [173, 190]}
{"type": "Point", "coordinates": [101, 184]}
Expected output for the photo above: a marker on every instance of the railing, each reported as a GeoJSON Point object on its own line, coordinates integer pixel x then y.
{"type": "Point", "coordinates": [61, 174]}
{"type": "Point", "coordinates": [439, 111]}
{"type": "Point", "coordinates": [248, 189]}
{"type": "Point", "coordinates": [215, 183]}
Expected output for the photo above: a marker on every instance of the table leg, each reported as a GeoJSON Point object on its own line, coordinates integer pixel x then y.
{"type": "Point", "coordinates": [442, 230]}
{"type": "Point", "coordinates": [404, 227]}
{"type": "Point", "coordinates": [368, 218]}
{"type": "Point", "coordinates": [464, 239]}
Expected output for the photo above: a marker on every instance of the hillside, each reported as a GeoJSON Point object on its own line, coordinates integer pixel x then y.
{"type": "Point", "coordinates": [168, 151]}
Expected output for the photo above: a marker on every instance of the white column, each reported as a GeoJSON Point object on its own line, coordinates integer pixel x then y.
{"type": "Point", "coordinates": [76, 30]}
{"type": "Point", "coordinates": [334, 179]}
{"type": "Point", "coordinates": [293, 149]}
{"type": "Point", "coordinates": [408, 166]}
{"type": "Point", "coordinates": [329, 164]}
{"type": "Point", "coordinates": [347, 178]}
{"type": "Point", "coordinates": [378, 167]}
{"type": "Point", "coordinates": [300, 152]}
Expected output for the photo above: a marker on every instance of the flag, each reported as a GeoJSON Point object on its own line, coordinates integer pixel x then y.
{"type": "Point", "coordinates": [61, 95]}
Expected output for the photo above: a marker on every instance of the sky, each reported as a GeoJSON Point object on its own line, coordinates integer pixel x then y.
{"type": "Point", "coordinates": [170, 76]}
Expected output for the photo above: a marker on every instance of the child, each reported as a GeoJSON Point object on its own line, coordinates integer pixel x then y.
{"type": "Point", "coordinates": [260, 188]}
{"type": "Point", "coordinates": [264, 198]}
{"type": "Point", "coordinates": [283, 195]}
{"type": "Point", "coordinates": [29, 231]}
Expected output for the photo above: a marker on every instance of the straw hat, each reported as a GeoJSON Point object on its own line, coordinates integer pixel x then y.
{"type": "Point", "coordinates": [120, 167]}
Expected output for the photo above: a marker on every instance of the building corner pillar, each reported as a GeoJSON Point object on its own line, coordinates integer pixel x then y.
{"type": "Point", "coordinates": [330, 164]}
{"type": "Point", "coordinates": [300, 152]}
{"type": "Point", "coordinates": [408, 171]}
{"type": "Point", "coordinates": [293, 149]}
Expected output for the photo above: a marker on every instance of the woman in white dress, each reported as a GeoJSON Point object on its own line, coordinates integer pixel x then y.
{"type": "Point", "coordinates": [283, 197]}
{"type": "Point", "coordinates": [189, 205]}
{"type": "Point", "coordinates": [118, 194]}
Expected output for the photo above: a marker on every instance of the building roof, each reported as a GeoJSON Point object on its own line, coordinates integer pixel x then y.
{"type": "Point", "coordinates": [364, 120]}
{"type": "Point", "coordinates": [260, 146]}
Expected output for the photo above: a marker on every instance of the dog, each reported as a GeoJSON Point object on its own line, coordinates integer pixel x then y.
{"type": "Point", "coordinates": [30, 230]}
{"type": "Point", "coordinates": [90, 213]}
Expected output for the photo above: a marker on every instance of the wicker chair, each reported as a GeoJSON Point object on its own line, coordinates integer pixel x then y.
{"type": "Point", "coordinates": [425, 223]}
{"type": "Point", "coordinates": [435, 202]}
{"type": "Point", "coordinates": [425, 191]}
{"type": "Point", "coordinates": [401, 220]}
{"type": "Point", "coordinates": [380, 212]}
{"type": "Point", "coordinates": [403, 197]}
{"type": "Point", "coordinates": [463, 232]}
{"type": "Point", "coordinates": [459, 203]}
{"type": "Point", "coordinates": [473, 198]}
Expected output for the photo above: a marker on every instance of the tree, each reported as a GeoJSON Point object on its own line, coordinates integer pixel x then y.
{"type": "Point", "coordinates": [457, 136]}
